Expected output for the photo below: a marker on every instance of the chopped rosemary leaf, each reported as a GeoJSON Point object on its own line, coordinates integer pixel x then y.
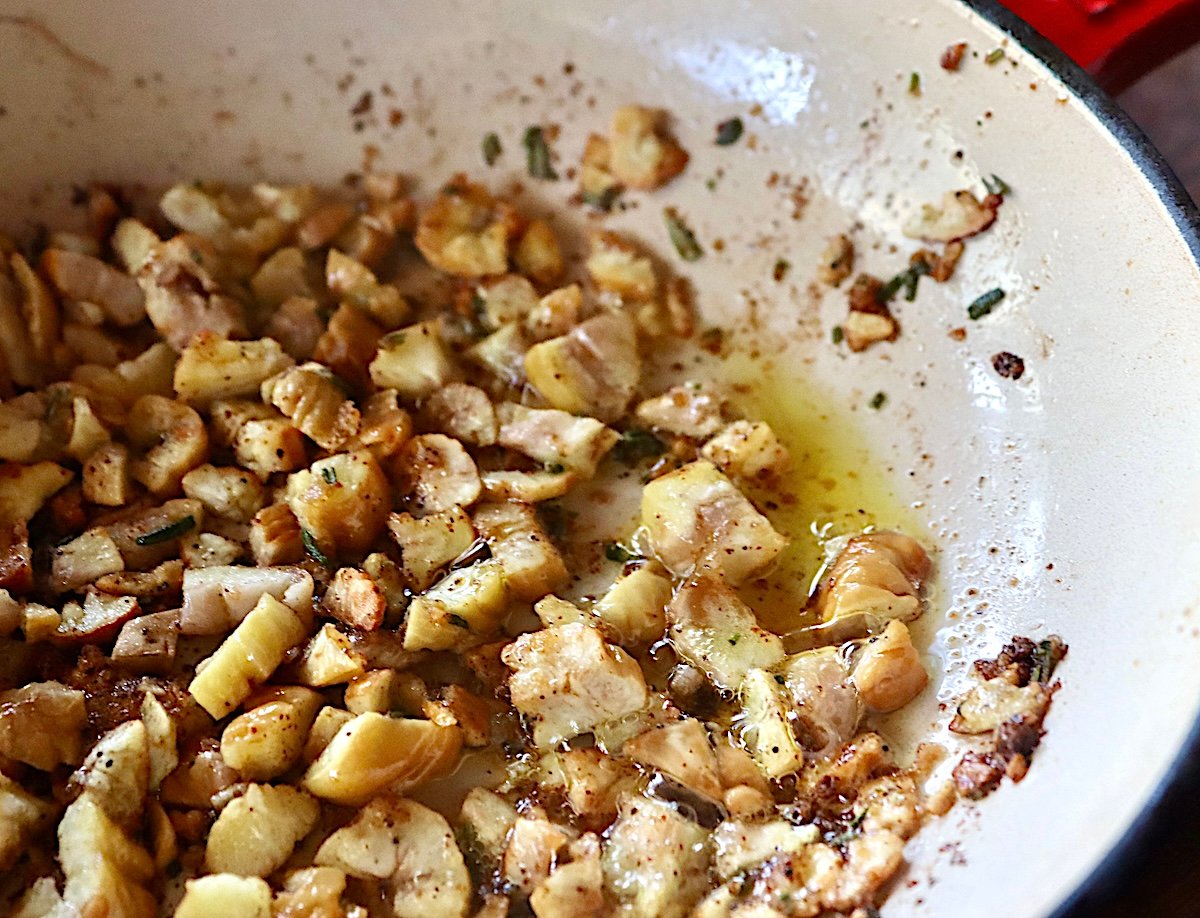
{"type": "Point", "coordinates": [167, 533]}
{"type": "Point", "coordinates": [615, 551]}
{"type": "Point", "coordinates": [853, 829]}
{"type": "Point", "coordinates": [605, 199]}
{"type": "Point", "coordinates": [997, 185]}
{"type": "Point", "coordinates": [556, 468]}
{"type": "Point", "coordinates": [458, 621]}
{"type": "Point", "coordinates": [782, 266]}
{"type": "Point", "coordinates": [914, 84]}
{"type": "Point", "coordinates": [985, 303]}
{"type": "Point", "coordinates": [1049, 654]}
{"type": "Point", "coordinates": [330, 475]}
{"type": "Point", "coordinates": [313, 550]}
{"type": "Point", "coordinates": [637, 444]}
{"type": "Point", "coordinates": [537, 154]}
{"type": "Point", "coordinates": [729, 132]}
{"type": "Point", "coordinates": [878, 400]}
{"type": "Point", "coordinates": [837, 334]}
{"type": "Point", "coordinates": [682, 238]}
{"type": "Point", "coordinates": [889, 290]}
{"type": "Point", "coordinates": [491, 148]}
{"type": "Point", "coordinates": [994, 56]}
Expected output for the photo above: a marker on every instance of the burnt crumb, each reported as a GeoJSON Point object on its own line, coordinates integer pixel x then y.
{"type": "Point", "coordinates": [978, 774]}
{"type": "Point", "coordinates": [1010, 366]}
{"type": "Point", "coordinates": [953, 55]}
{"type": "Point", "coordinates": [1027, 660]}
{"type": "Point", "coordinates": [1018, 737]}
{"type": "Point", "coordinates": [363, 105]}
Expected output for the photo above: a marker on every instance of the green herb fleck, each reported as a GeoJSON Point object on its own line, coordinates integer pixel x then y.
{"type": "Point", "coordinates": [393, 339]}
{"type": "Point", "coordinates": [782, 266]}
{"type": "Point", "coordinates": [329, 474]}
{"type": "Point", "coordinates": [888, 291]}
{"type": "Point", "coordinates": [985, 303]}
{"type": "Point", "coordinates": [710, 184]}
{"type": "Point", "coordinates": [637, 444]}
{"type": "Point", "coordinates": [556, 468]}
{"type": "Point", "coordinates": [1049, 654]}
{"type": "Point", "coordinates": [682, 238]}
{"type": "Point", "coordinates": [994, 56]}
{"type": "Point", "coordinates": [997, 185]}
{"type": "Point", "coordinates": [914, 84]}
{"type": "Point", "coordinates": [733, 641]}
{"type": "Point", "coordinates": [491, 148]}
{"type": "Point", "coordinates": [313, 550]}
{"type": "Point", "coordinates": [852, 830]}
{"type": "Point", "coordinates": [729, 132]}
{"type": "Point", "coordinates": [603, 200]}
{"type": "Point", "coordinates": [537, 154]}
{"type": "Point", "coordinates": [779, 680]}
{"type": "Point", "coordinates": [615, 551]}
{"type": "Point", "coordinates": [838, 334]}
{"type": "Point", "coordinates": [458, 621]}
{"type": "Point", "coordinates": [167, 533]}
{"type": "Point", "coordinates": [878, 400]}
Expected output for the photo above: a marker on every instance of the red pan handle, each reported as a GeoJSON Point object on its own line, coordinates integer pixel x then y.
{"type": "Point", "coordinates": [1117, 41]}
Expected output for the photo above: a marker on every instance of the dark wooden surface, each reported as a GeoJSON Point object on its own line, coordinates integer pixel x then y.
{"type": "Point", "coordinates": [1162, 876]}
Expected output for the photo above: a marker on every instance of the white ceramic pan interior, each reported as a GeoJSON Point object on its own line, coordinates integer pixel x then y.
{"type": "Point", "coordinates": [1064, 502]}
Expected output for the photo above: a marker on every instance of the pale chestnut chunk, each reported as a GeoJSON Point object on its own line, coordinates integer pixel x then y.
{"type": "Point", "coordinates": [105, 871]}
{"type": "Point", "coordinates": [414, 361]}
{"type": "Point", "coordinates": [248, 656]}
{"type": "Point", "coordinates": [740, 845]}
{"type": "Point", "coordinates": [554, 610]}
{"type": "Point", "coordinates": [117, 773]}
{"type": "Point", "coordinates": [486, 818]}
{"type": "Point", "coordinates": [211, 368]}
{"type": "Point", "coordinates": [225, 894]}
{"type": "Point", "coordinates": [171, 439]}
{"type": "Point", "coordinates": [531, 564]}
{"type": "Point", "coordinates": [641, 153]}
{"type": "Point", "coordinates": [566, 680]}
{"type": "Point", "coordinates": [256, 832]}
{"type": "Point", "coordinates": [226, 491]}
{"type": "Point", "coordinates": [748, 451]}
{"type": "Point", "coordinates": [682, 751]}
{"type": "Point", "coordinates": [889, 674]}
{"type": "Point", "coordinates": [711, 628]}
{"type": "Point", "coordinates": [162, 740]}
{"type": "Point", "coordinates": [555, 438]}
{"type": "Point", "coordinates": [862, 329]}
{"type": "Point", "coordinates": [216, 599]}
{"type": "Point", "coordinates": [991, 703]}
{"type": "Point", "coordinates": [618, 266]}
{"type": "Point", "coordinates": [41, 310]}
{"type": "Point", "coordinates": [696, 511]}
{"type": "Point", "coordinates": [373, 752]}
{"type": "Point", "coordinates": [528, 487]}
{"type": "Point", "coordinates": [353, 282]}
{"type": "Point", "coordinates": [437, 474]}
{"type": "Point", "coordinates": [429, 543]}
{"type": "Point", "coordinates": [599, 187]}
{"type": "Point", "coordinates": [876, 577]}
{"type": "Point", "coordinates": [576, 888]}
{"type": "Point", "coordinates": [836, 261]}
{"type": "Point", "coordinates": [328, 722]}
{"type": "Point", "coordinates": [275, 536]}
{"type": "Point", "coordinates": [286, 274]}
{"type": "Point", "coordinates": [148, 643]}
{"type": "Point", "coordinates": [106, 478]}
{"type": "Point", "coordinates": [355, 599]}
{"type": "Point", "coordinates": [316, 404]}
{"type": "Point", "coordinates": [97, 619]}
{"type": "Point", "coordinates": [312, 892]}
{"type": "Point", "coordinates": [958, 215]}
{"type": "Point", "coordinates": [691, 410]}
{"type": "Point", "coordinates": [329, 658]}
{"type": "Point", "coordinates": [384, 426]}
{"type": "Point", "coordinates": [502, 355]}
{"type": "Point", "coordinates": [633, 609]}
{"type": "Point", "coordinates": [297, 326]}
{"type": "Point", "coordinates": [465, 231]}
{"type": "Point", "coordinates": [84, 559]}
{"type": "Point", "coordinates": [413, 848]}
{"type": "Point", "coordinates": [348, 343]}
{"type": "Point", "coordinates": [592, 370]}
{"type": "Point", "coordinates": [342, 500]}
{"type": "Point", "coordinates": [41, 724]}
{"type": "Point", "coordinates": [656, 860]}
{"type": "Point", "coordinates": [595, 781]}
{"type": "Point", "coordinates": [21, 816]}
{"type": "Point", "coordinates": [500, 301]}
{"type": "Point", "coordinates": [462, 411]}
{"type": "Point", "coordinates": [460, 610]}
{"type": "Point", "coordinates": [269, 445]}
{"type": "Point", "coordinates": [267, 740]}
{"type": "Point", "coordinates": [537, 254]}
{"type": "Point", "coordinates": [534, 843]}
{"type": "Point", "coordinates": [182, 297]}
{"type": "Point", "coordinates": [25, 488]}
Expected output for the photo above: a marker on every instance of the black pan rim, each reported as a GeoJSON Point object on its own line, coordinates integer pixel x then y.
{"type": "Point", "coordinates": [1185, 215]}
